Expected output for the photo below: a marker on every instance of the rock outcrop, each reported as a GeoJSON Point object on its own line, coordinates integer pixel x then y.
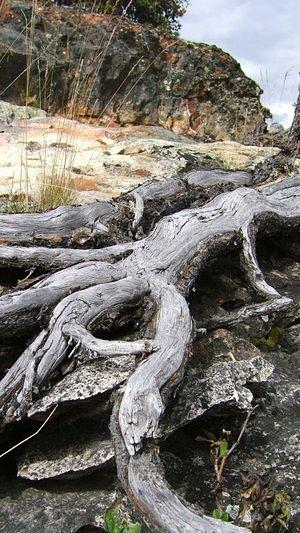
{"type": "Point", "coordinates": [99, 163]}
{"type": "Point", "coordinates": [115, 71]}
{"type": "Point", "coordinates": [167, 309]}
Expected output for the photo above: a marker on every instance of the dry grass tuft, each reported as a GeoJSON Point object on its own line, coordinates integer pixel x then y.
{"type": "Point", "coordinates": [54, 188]}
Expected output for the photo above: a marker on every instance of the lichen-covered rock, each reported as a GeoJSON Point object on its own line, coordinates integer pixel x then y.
{"type": "Point", "coordinates": [68, 450]}
{"type": "Point", "coordinates": [222, 383]}
{"type": "Point", "coordinates": [10, 112]}
{"type": "Point", "coordinates": [290, 339]}
{"type": "Point", "coordinates": [99, 163]}
{"type": "Point", "coordinates": [268, 454]}
{"type": "Point", "coordinates": [86, 382]}
{"type": "Point", "coordinates": [119, 71]}
{"type": "Point", "coordinates": [63, 506]}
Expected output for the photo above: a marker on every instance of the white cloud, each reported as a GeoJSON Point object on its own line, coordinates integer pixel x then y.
{"type": "Point", "coordinates": [283, 112]}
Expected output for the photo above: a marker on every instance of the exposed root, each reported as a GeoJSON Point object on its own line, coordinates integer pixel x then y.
{"type": "Point", "coordinates": [142, 405]}
{"type": "Point", "coordinates": [51, 347]}
{"type": "Point", "coordinates": [103, 348]}
{"type": "Point", "coordinates": [248, 311]}
{"type": "Point", "coordinates": [162, 265]}
{"type": "Point", "coordinates": [251, 267]}
{"type": "Point", "coordinates": [153, 496]}
{"type": "Point", "coordinates": [138, 210]}
{"type": "Point", "coordinates": [55, 258]}
{"type": "Point", "coordinates": [20, 310]}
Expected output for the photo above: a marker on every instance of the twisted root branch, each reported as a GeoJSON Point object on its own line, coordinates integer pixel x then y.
{"type": "Point", "coordinates": [160, 267]}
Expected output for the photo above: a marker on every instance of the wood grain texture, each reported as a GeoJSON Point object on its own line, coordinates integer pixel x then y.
{"type": "Point", "coordinates": [155, 497]}
{"type": "Point", "coordinates": [158, 270]}
{"type": "Point", "coordinates": [59, 225]}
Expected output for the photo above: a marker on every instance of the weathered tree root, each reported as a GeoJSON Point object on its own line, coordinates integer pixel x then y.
{"type": "Point", "coordinates": [108, 223]}
{"type": "Point", "coordinates": [159, 271]}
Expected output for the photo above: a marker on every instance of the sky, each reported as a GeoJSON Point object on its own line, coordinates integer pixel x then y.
{"type": "Point", "coordinates": [262, 35]}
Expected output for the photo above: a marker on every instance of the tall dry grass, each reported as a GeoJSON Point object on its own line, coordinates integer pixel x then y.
{"type": "Point", "coordinates": [53, 187]}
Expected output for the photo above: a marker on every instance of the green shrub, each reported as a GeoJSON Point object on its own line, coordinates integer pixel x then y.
{"type": "Point", "coordinates": [163, 14]}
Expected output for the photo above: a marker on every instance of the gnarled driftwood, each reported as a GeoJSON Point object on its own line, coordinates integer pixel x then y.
{"type": "Point", "coordinates": [81, 290]}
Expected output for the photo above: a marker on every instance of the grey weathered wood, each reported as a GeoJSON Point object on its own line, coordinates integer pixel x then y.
{"type": "Point", "coordinates": [85, 308]}
{"type": "Point", "coordinates": [138, 210]}
{"type": "Point", "coordinates": [61, 225]}
{"type": "Point", "coordinates": [99, 221]}
{"type": "Point", "coordinates": [161, 267]}
{"type": "Point", "coordinates": [274, 305]}
{"type": "Point", "coordinates": [142, 405]}
{"type": "Point", "coordinates": [19, 311]}
{"type": "Point", "coordinates": [101, 348]}
{"type": "Point", "coordinates": [150, 491]}
{"type": "Point", "coordinates": [206, 178]}
{"type": "Point", "coordinates": [51, 346]}
{"type": "Point", "coordinates": [53, 258]}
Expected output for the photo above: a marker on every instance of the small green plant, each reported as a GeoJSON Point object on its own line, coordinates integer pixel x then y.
{"type": "Point", "coordinates": [164, 14]}
{"type": "Point", "coordinates": [220, 515]}
{"type": "Point", "coordinates": [223, 448]}
{"type": "Point", "coordinates": [113, 523]}
{"type": "Point", "coordinates": [281, 509]}
{"type": "Point", "coordinates": [272, 339]}
{"type": "Point", "coordinates": [219, 447]}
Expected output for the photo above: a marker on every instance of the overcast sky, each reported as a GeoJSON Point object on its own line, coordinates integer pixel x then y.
{"type": "Point", "coordinates": [263, 35]}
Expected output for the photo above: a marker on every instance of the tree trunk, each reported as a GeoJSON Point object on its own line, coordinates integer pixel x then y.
{"type": "Point", "coordinates": [154, 243]}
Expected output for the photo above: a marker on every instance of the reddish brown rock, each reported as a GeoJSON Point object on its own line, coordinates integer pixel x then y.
{"type": "Point", "coordinates": [118, 72]}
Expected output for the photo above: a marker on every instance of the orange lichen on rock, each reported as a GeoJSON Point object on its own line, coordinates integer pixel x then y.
{"type": "Point", "coordinates": [4, 10]}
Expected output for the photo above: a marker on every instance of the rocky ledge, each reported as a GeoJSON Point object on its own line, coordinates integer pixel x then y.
{"type": "Point", "coordinates": [99, 163]}
{"type": "Point", "coordinates": [116, 71]}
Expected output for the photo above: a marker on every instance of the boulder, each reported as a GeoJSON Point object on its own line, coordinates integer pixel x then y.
{"type": "Point", "coordinates": [115, 71]}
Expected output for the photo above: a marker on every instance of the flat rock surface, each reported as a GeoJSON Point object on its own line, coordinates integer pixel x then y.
{"type": "Point", "coordinates": [85, 382]}
{"type": "Point", "coordinates": [10, 112]}
{"type": "Point", "coordinates": [68, 450]}
{"type": "Point", "coordinates": [223, 383]}
{"type": "Point", "coordinates": [56, 507]}
{"type": "Point", "coordinates": [98, 163]}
